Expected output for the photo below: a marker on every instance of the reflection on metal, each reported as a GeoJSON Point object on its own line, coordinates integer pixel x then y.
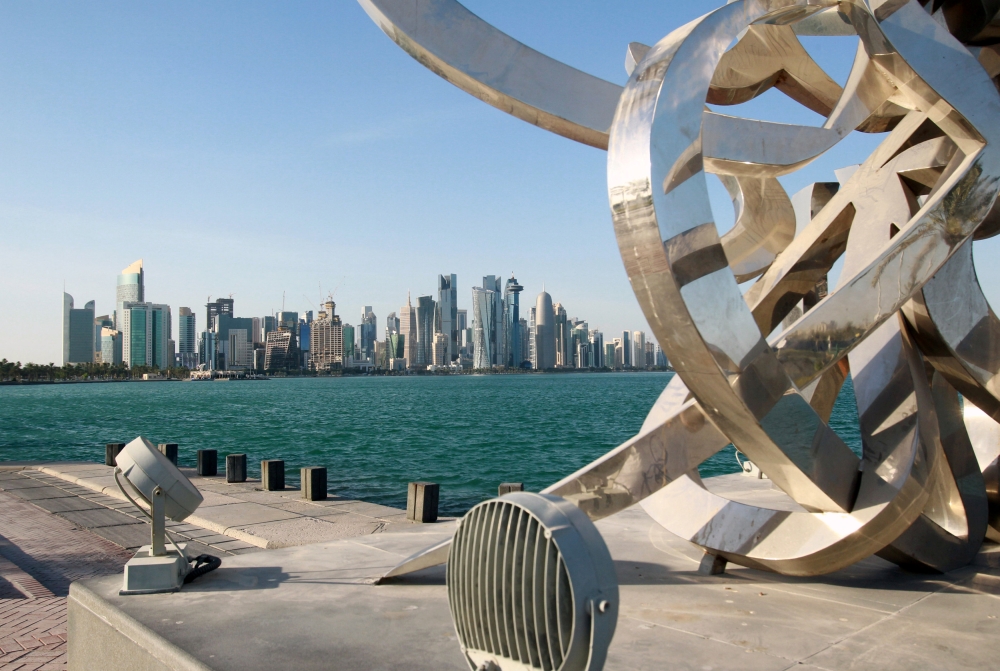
{"type": "Point", "coordinates": [531, 585]}
{"type": "Point", "coordinates": [907, 320]}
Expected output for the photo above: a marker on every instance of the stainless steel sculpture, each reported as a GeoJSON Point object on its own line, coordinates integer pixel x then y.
{"type": "Point", "coordinates": [907, 319]}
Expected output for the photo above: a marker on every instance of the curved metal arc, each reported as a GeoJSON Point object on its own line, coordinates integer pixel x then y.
{"type": "Point", "coordinates": [463, 49]}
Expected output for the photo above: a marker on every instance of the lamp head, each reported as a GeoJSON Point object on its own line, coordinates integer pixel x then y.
{"type": "Point", "coordinates": [531, 585]}
{"type": "Point", "coordinates": [146, 469]}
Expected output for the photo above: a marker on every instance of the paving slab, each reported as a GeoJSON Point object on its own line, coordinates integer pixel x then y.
{"type": "Point", "coordinates": [43, 492]}
{"type": "Point", "coordinates": [214, 499]}
{"type": "Point", "coordinates": [306, 530]}
{"type": "Point", "coordinates": [65, 505]}
{"type": "Point", "coordinates": [220, 518]}
{"type": "Point", "coordinates": [93, 519]}
{"type": "Point", "coordinates": [20, 482]}
{"type": "Point", "coordinates": [129, 536]}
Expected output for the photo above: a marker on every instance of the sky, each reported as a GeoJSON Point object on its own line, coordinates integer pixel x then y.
{"type": "Point", "coordinates": [280, 151]}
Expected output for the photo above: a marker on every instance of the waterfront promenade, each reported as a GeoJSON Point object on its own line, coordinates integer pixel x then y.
{"type": "Point", "coordinates": [62, 522]}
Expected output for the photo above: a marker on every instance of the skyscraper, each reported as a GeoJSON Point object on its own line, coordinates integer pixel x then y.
{"type": "Point", "coordinates": [280, 350]}
{"type": "Point", "coordinates": [111, 346]}
{"type": "Point", "coordinates": [639, 349]}
{"type": "Point", "coordinates": [391, 324]}
{"type": "Point", "coordinates": [626, 345]}
{"type": "Point", "coordinates": [498, 356]}
{"type": "Point", "coordinates": [597, 346]}
{"type": "Point", "coordinates": [464, 341]}
{"type": "Point", "coordinates": [131, 288]}
{"type": "Point", "coordinates": [545, 341]}
{"type": "Point", "coordinates": [213, 309]}
{"type": "Point", "coordinates": [327, 348]}
{"type": "Point", "coordinates": [522, 335]}
{"type": "Point", "coordinates": [102, 322]}
{"type": "Point", "coordinates": [78, 332]}
{"type": "Point", "coordinates": [425, 330]}
{"type": "Point", "coordinates": [348, 331]}
{"type": "Point", "coordinates": [186, 334]}
{"type": "Point", "coordinates": [560, 328]}
{"type": "Point", "coordinates": [484, 327]}
{"type": "Point", "coordinates": [448, 307]}
{"type": "Point", "coordinates": [408, 329]}
{"type": "Point", "coordinates": [369, 333]}
{"type": "Point", "coordinates": [146, 333]}
{"type": "Point", "coordinates": [512, 323]}
{"type": "Point", "coordinates": [531, 338]}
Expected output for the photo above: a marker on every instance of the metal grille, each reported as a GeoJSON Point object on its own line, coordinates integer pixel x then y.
{"type": "Point", "coordinates": [509, 590]}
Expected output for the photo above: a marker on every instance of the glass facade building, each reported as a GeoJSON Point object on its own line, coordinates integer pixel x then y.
{"type": "Point", "coordinates": [512, 324]}
{"type": "Point", "coordinates": [78, 332]}
{"type": "Point", "coordinates": [484, 327]}
{"type": "Point", "coordinates": [448, 309]}
{"type": "Point", "coordinates": [130, 289]}
{"type": "Point", "coordinates": [146, 335]}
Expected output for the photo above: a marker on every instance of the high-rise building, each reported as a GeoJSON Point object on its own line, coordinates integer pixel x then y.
{"type": "Point", "coordinates": [233, 350]}
{"type": "Point", "coordinates": [267, 324]}
{"type": "Point", "coordinates": [146, 333]}
{"type": "Point", "coordinates": [280, 352]}
{"type": "Point", "coordinates": [441, 341]}
{"type": "Point", "coordinates": [484, 328]}
{"type": "Point", "coordinates": [391, 324]}
{"type": "Point", "coordinates": [464, 337]}
{"type": "Point", "coordinates": [111, 346]}
{"type": "Point", "coordinates": [522, 335]}
{"type": "Point", "coordinates": [512, 324]}
{"type": "Point", "coordinates": [448, 309]}
{"type": "Point", "coordinates": [661, 357]}
{"type": "Point", "coordinates": [426, 308]}
{"type": "Point", "coordinates": [368, 333]}
{"type": "Point", "coordinates": [560, 329]}
{"type": "Point", "coordinates": [131, 289]}
{"type": "Point", "coordinates": [349, 351]}
{"type": "Point", "coordinates": [216, 308]}
{"type": "Point", "coordinates": [187, 355]}
{"type": "Point", "coordinates": [498, 356]}
{"type": "Point", "coordinates": [78, 332]}
{"type": "Point", "coordinates": [638, 349]}
{"type": "Point", "coordinates": [597, 347]}
{"type": "Point", "coordinates": [531, 337]}
{"type": "Point", "coordinates": [288, 321]}
{"type": "Point", "coordinates": [609, 355]}
{"type": "Point", "coordinates": [650, 352]}
{"type": "Point", "coordinates": [626, 345]}
{"type": "Point", "coordinates": [620, 345]}
{"type": "Point", "coordinates": [327, 347]}
{"type": "Point", "coordinates": [545, 340]}
{"type": "Point", "coordinates": [408, 329]}
{"type": "Point", "coordinates": [580, 336]}
{"type": "Point", "coordinates": [104, 321]}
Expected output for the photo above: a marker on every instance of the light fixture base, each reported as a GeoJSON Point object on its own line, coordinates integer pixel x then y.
{"type": "Point", "coordinates": [149, 574]}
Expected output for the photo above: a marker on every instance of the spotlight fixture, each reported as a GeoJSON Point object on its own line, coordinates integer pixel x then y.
{"type": "Point", "coordinates": [531, 585]}
{"type": "Point", "coordinates": [167, 493]}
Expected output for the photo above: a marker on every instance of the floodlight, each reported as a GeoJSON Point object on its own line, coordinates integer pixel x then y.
{"type": "Point", "coordinates": [531, 585]}
{"type": "Point", "coordinates": [168, 493]}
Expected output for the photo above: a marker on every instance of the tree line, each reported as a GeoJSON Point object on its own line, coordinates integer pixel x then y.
{"type": "Point", "coordinates": [33, 372]}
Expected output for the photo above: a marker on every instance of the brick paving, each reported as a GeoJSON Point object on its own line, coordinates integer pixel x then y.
{"type": "Point", "coordinates": [40, 555]}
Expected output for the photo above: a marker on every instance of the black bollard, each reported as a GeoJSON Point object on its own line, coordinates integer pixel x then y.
{"type": "Point", "coordinates": [208, 462]}
{"type": "Point", "coordinates": [272, 474]}
{"type": "Point", "coordinates": [422, 502]}
{"type": "Point", "coordinates": [313, 483]}
{"type": "Point", "coordinates": [236, 468]}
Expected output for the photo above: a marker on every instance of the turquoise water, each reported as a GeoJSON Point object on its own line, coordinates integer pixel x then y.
{"type": "Point", "coordinates": [374, 434]}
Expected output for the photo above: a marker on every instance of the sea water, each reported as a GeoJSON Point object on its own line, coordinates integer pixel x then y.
{"type": "Point", "coordinates": [373, 434]}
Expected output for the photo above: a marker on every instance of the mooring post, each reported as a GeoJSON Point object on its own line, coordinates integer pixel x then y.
{"type": "Point", "coordinates": [272, 474]}
{"type": "Point", "coordinates": [313, 483]}
{"type": "Point", "coordinates": [208, 462]}
{"type": "Point", "coordinates": [422, 502]}
{"type": "Point", "coordinates": [236, 468]}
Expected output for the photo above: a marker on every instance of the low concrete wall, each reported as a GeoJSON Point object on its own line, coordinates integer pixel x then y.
{"type": "Point", "coordinates": [103, 637]}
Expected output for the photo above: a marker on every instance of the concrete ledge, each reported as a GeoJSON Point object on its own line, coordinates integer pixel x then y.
{"type": "Point", "coordinates": [103, 637]}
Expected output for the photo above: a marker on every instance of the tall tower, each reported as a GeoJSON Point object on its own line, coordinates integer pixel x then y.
{"type": "Point", "coordinates": [448, 306]}
{"type": "Point", "coordinates": [545, 338]}
{"type": "Point", "coordinates": [408, 329]}
{"type": "Point", "coordinates": [78, 332]}
{"type": "Point", "coordinates": [513, 346]}
{"type": "Point", "coordinates": [426, 309]}
{"type": "Point", "coordinates": [131, 288]}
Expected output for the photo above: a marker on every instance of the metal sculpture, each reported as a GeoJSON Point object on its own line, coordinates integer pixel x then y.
{"type": "Point", "coordinates": [907, 319]}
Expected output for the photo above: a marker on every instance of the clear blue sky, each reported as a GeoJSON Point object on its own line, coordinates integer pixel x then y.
{"type": "Point", "coordinates": [254, 148]}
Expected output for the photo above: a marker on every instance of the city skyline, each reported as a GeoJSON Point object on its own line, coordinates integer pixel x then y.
{"type": "Point", "coordinates": [437, 334]}
{"type": "Point", "coordinates": [190, 140]}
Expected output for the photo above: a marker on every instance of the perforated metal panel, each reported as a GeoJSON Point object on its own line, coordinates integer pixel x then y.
{"type": "Point", "coordinates": [514, 598]}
